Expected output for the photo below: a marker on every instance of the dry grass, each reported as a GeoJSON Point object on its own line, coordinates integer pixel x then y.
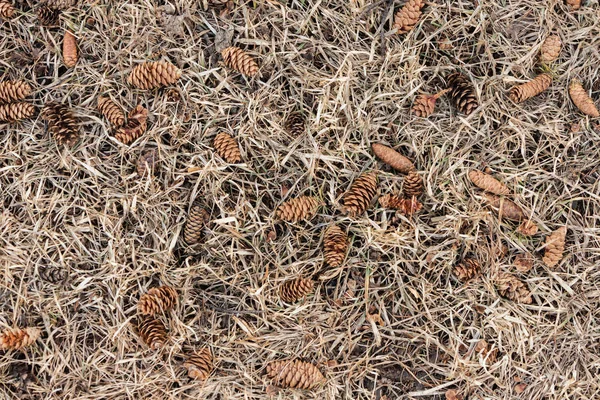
{"type": "Point", "coordinates": [85, 209]}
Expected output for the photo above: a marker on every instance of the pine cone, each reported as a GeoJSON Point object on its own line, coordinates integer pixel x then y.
{"type": "Point", "coordinates": [574, 5]}
{"type": "Point", "coordinates": [135, 127]}
{"type": "Point", "coordinates": [392, 158]}
{"type": "Point", "coordinates": [70, 52]}
{"type": "Point", "coordinates": [61, 123]}
{"type": "Point", "coordinates": [17, 339]}
{"type": "Point", "coordinates": [7, 10]}
{"type": "Point", "coordinates": [295, 124]}
{"type": "Point", "coordinates": [293, 290]}
{"type": "Point", "coordinates": [510, 287]}
{"type": "Point", "coordinates": [48, 16]}
{"type": "Point", "coordinates": [528, 228]}
{"type": "Point", "coordinates": [11, 91]}
{"type": "Point", "coordinates": [200, 364]}
{"type": "Point", "coordinates": [529, 89]}
{"type": "Point", "coordinates": [152, 331]}
{"type": "Point", "coordinates": [150, 75]}
{"type": "Point", "coordinates": [405, 206]}
{"type": "Point", "coordinates": [157, 300]}
{"type": "Point", "coordinates": [61, 4]}
{"type": "Point", "coordinates": [53, 275]}
{"type": "Point", "coordinates": [111, 111]}
{"type": "Point", "coordinates": [360, 195]}
{"type": "Point", "coordinates": [462, 93]}
{"type": "Point", "coordinates": [555, 247]}
{"type": "Point", "coordinates": [237, 59]}
{"type": "Point", "coordinates": [550, 49]}
{"type": "Point", "coordinates": [523, 262]}
{"type": "Point", "coordinates": [425, 103]}
{"type": "Point", "coordinates": [146, 163]}
{"type": "Point", "coordinates": [13, 112]}
{"type": "Point", "coordinates": [582, 100]}
{"type": "Point", "coordinates": [335, 243]}
{"type": "Point", "coordinates": [487, 182]}
{"type": "Point", "coordinates": [227, 147]}
{"type": "Point", "coordinates": [197, 219]}
{"type": "Point", "coordinates": [295, 374]}
{"type": "Point", "coordinates": [468, 269]}
{"type": "Point", "coordinates": [301, 208]}
{"type": "Point", "coordinates": [408, 16]}
{"type": "Point", "coordinates": [413, 185]}
{"type": "Point", "coordinates": [504, 207]}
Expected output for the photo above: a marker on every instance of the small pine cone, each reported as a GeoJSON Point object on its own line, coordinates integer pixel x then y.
{"type": "Point", "coordinates": [152, 331]}
{"type": "Point", "coordinates": [510, 287]}
{"type": "Point", "coordinates": [360, 195]}
{"type": "Point", "coordinates": [61, 4]}
{"type": "Point", "coordinates": [11, 91]}
{"type": "Point", "coordinates": [157, 300]}
{"type": "Point", "coordinates": [582, 100]}
{"type": "Point", "coordinates": [336, 245]}
{"type": "Point", "coordinates": [413, 185]}
{"type": "Point", "coordinates": [16, 339]}
{"type": "Point", "coordinates": [146, 163]}
{"type": "Point", "coordinates": [295, 124]}
{"type": "Point", "coordinates": [527, 228]}
{"type": "Point", "coordinates": [408, 16]}
{"type": "Point", "coordinates": [150, 75]}
{"type": "Point", "coordinates": [293, 290]}
{"type": "Point", "coordinates": [392, 158]}
{"type": "Point", "coordinates": [61, 123]}
{"type": "Point", "coordinates": [487, 182]}
{"type": "Point", "coordinates": [425, 103]}
{"type": "Point", "coordinates": [227, 147]}
{"type": "Point", "coordinates": [523, 262]}
{"type": "Point", "coordinates": [70, 52]}
{"type": "Point", "coordinates": [550, 49]}
{"type": "Point", "coordinates": [7, 10]}
{"type": "Point", "coordinates": [197, 219]}
{"type": "Point", "coordinates": [295, 374]}
{"type": "Point", "coordinates": [468, 269]}
{"type": "Point", "coordinates": [200, 364]}
{"type": "Point", "coordinates": [555, 247]}
{"type": "Point", "coordinates": [48, 16]}
{"type": "Point", "coordinates": [530, 89]}
{"type": "Point", "coordinates": [462, 93]}
{"type": "Point", "coordinates": [237, 59]}
{"type": "Point", "coordinates": [301, 208]}
{"type": "Point", "coordinates": [135, 127]}
{"type": "Point", "coordinates": [53, 275]}
{"type": "Point", "coordinates": [13, 112]}
{"type": "Point", "coordinates": [574, 5]}
{"type": "Point", "coordinates": [504, 207]}
{"type": "Point", "coordinates": [111, 111]}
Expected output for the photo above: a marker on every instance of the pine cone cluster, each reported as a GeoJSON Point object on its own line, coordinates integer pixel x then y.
{"type": "Point", "coordinates": [152, 331]}
{"type": "Point", "coordinates": [70, 52]}
{"type": "Point", "coordinates": [392, 158]}
{"type": "Point", "coordinates": [360, 195]}
{"type": "Point", "coordinates": [295, 289]}
{"type": "Point", "coordinates": [550, 49]}
{"type": "Point", "coordinates": [424, 104]}
{"type": "Point", "coordinates": [462, 93]}
{"type": "Point", "coordinates": [530, 89]}
{"type": "Point", "coordinates": [11, 108]}
{"type": "Point", "coordinates": [237, 59]}
{"type": "Point", "coordinates": [7, 10]}
{"type": "Point", "coordinates": [199, 364]}
{"type": "Point", "coordinates": [488, 183]}
{"type": "Point", "coordinates": [295, 374]}
{"type": "Point", "coordinates": [510, 287]}
{"type": "Point", "coordinates": [301, 208]}
{"type": "Point", "coordinates": [335, 243]}
{"type": "Point", "coordinates": [196, 221]}
{"type": "Point", "coordinates": [555, 247]}
{"type": "Point", "coordinates": [17, 339]}
{"type": "Point", "coordinates": [53, 275]}
{"type": "Point", "coordinates": [295, 124]}
{"type": "Point", "coordinates": [158, 300]}
{"type": "Point", "coordinates": [48, 16]}
{"type": "Point", "coordinates": [468, 269]}
{"type": "Point", "coordinates": [227, 147]}
{"type": "Point", "coordinates": [111, 111]}
{"type": "Point", "coordinates": [151, 75]}
{"type": "Point", "coordinates": [505, 207]}
{"type": "Point", "coordinates": [582, 100]}
{"type": "Point", "coordinates": [137, 123]}
{"type": "Point", "coordinates": [408, 16]}
{"type": "Point", "coordinates": [146, 163]}
{"type": "Point", "coordinates": [61, 123]}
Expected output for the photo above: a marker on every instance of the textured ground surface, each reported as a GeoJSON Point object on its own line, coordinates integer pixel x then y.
{"type": "Point", "coordinates": [86, 211]}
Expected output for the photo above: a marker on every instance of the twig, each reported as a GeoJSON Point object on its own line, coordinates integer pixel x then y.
{"type": "Point", "coordinates": [384, 16]}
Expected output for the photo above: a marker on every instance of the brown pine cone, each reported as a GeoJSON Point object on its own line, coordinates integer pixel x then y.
{"type": "Point", "coordinates": [487, 182]}
{"type": "Point", "coordinates": [405, 206]}
{"type": "Point", "coordinates": [157, 300]}
{"type": "Point", "coordinates": [61, 4]}
{"type": "Point", "coordinates": [150, 75]}
{"type": "Point", "coordinates": [54, 275]}
{"type": "Point", "coordinates": [200, 364]}
{"type": "Point", "coordinates": [510, 287]}
{"type": "Point", "coordinates": [504, 207]}
{"type": "Point", "coordinates": [7, 10]}
{"type": "Point", "coordinates": [135, 127]}
{"type": "Point", "coordinates": [152, 331]}
{"type": "Point", "coordinates": [335, 243]}
{"type": "Point", "coordinates": [392, 158]}
{"type": "Point", "coordinates": [237, 59]}
{"type": "Point", "coordinates": [227, 147]}
{"type": "Point", "coordinates": [523, 262]}
{"type": "Point", "coordinates": [48, 16]}
{"type": "Point", "coordinates": [295, 124]}
{"type": "Point", "coordinates": [295, 374]}
{"type": "Point", "coordinates": [360, 195]}
{"type": "Point", "coordinates": [413, 185]}
{"type": "Point", "coordinates": [13, 112]}
{"type": "Point", "coordinates": [527, 228]}
{"type": "Point", "coordinates": [17, 339]}
{"type": "Point", "coordinates": [61, 123]}
{"type": "Point", "coordinates": [70, 52]}
{"type": "Point", "coordinates": [11, 91]}
{"type": "Point", "coordinates": [462, 93]}
{"type": "Point", "coordinates": [408, 16]}
{"type": "Point", "coordinates": [574, 4]}
{"type": "Point", "coordinates": [111, 111]}
{"type": "Point", "coordinates": [582, 100]}
{"type": "Point", "coordinates": [146, 163]}
{"type": "Point", "coordinates": [196, 221]}
{"type": "Point", "coordinates": [295, 289]}
{"type": "Point", "coordinates": [550, 49]}
{"type": "Point", "coordinates": [468, 269]}
{"type": "Point", "coordinates": [425, 103]}
{"type": "Point", "coordinates": [555, 247]}
{"type": "Point", "coordinates": [530, 89]}
{"type": "Point", "coordinates": [301, 208]}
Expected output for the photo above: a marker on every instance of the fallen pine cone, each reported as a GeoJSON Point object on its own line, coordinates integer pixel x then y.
{"type": "Point", "coordinates": [510, 287]}
{"type": "Point", "coordinates": [555, 247]}
{"type": "Point", "coordinates": [152, 331]}
{"type": "Point", "coordinates": [424, 104]}
{"type": "Point", "coordinates": [530, 89]}
{"type": "Point", "coordinates": [227, 147]}
{"type": "Point", "coordinates": [487, 182]}
{"type": "Point", "coordinates": [7, 10]}
{"type": "Point", "coordinates": [523, 262]}
{"type": "Point", "coordinates": [582, 100]}
{"type": "Point", "coordinates": [392, 158]}
{"type": "Point", "coordinates": [295, 124]}
{"type": "Point", "coordinates": [111, 111]}
{"type": "Point", "coordinates": [157, 300]}
{"type": "Point", "coordinates": [70, 52]}
{"type": "Point", "coordinates": [408, 16]}
{"type": "Point", "coordinates": [237, 59]}
{"type": "Point", "coordinates": [528, 228]}
{"type": "Point", "coordinates": [574, 5]}
{"type": "Point", "coordinates": [404, 205]}
{"type": "Point", "coordinates": [360, 195]}
{"type": "Point", "coordinates": [200, 364]}
{"type": "Point", "coordinates": [413, 185]}
{"type": "Point", "coordinates": [135, 127]}
{"type": "Point", "coordinates": [146, 163]}
{"type": "Point", "coordinates": [11, 91]}
{"type": "Point", "coordinates": [17, 339]}
{"type": "Point", "coordinates": [196, 221]}
{"type": "Point", "coordinates": [295, 289]}
{"type": "Point", "coordinates": [295, 374]}
{"type": "Point", "coordinates": [150, 75]}
{"type": "Point", "coordinates": [61, 123]}
{"type": "Point", "coordinates": [13, 112]}
{"type": "Point", "coordinates": [504, 207]}
{"type": "Point", "coordinates": [301, 208]}
{"type": "Point", "coordinates": [550, 49]}
{"type": "Point", "coordinates": [462, 93]}
{"type": "Point", "coordinates": [468, 269]}
{"type": "Point", "coordinates": [48, 16]}
{"type": "Point", "coordinates": [54, 275]}
{"type": "Point", "coordinates": [335, 243]}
